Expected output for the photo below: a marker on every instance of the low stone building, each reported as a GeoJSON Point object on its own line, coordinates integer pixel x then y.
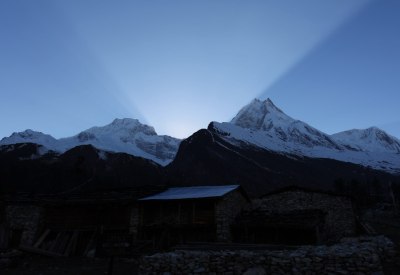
{"type": "Point", "coordinates": [185, 214]}
{"type": "Point", "coordinates": [71, 224]}
{"type": "Point", "coordinates": [295, 215]}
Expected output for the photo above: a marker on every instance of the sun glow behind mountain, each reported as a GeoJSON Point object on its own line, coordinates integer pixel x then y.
{"type": "Point", "coordinates": [205, 68]}
{"type": "Point", "coordinates": [175, 65]}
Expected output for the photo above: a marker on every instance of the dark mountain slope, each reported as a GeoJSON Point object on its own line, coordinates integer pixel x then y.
{"type": "Point", "coordinates": [83, 167]}
{"type": "Point", "coordinates": [206, 158]}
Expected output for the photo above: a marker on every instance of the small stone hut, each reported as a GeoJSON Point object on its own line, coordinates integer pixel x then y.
{"type": "Point", "coordinates": [190, 214]}
{"type": "Point", "coordinates": [295, 215]}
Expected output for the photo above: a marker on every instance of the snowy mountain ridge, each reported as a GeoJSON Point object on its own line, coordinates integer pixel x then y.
{"type": "Point", "coordinates": [264, 125]}
{"type": "Point", "coordinates": [260, 124]}
{"type": "Point", "coordinates": [28, 136]}
{"type": "Point", "coordinates": [371, 139]}
{"type": "Point", "coordinates": [266, 117]}
{"type": "Point", "coordinates": [122, 135]}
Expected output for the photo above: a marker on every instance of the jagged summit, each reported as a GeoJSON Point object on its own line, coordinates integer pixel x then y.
{"type": "Point", "coordinates": [264, 116]}
{"type": "Point", "coordinates": [260, 115]}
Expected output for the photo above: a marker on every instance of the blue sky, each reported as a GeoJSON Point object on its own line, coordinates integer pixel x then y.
{"type": "Point", "coordinates": [177, 65]}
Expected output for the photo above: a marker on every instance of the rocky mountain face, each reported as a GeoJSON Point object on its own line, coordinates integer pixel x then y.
{"type": "Point", "coordinates": [208, 157]}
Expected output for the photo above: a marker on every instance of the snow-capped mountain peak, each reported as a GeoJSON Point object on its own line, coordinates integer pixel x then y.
{"type": "Point", "coordinates": [264, 116]}
{"type": "Point", "coordinates": [122, 135]}
{"type": "Point", "coordinates": [371, 139]}
{"type": "Point", "coordinates": [262, 124]}
{"type": "Point", "coordinates": [26, 137]}
{"type": "Point", "coordinates": [27, 133]}
{"type": "Point", "coordinates": [126, 127]}
{"type": "Point", "coordinates": [132, 125]}
{"type": "Point", "coordinates": [260, 115]}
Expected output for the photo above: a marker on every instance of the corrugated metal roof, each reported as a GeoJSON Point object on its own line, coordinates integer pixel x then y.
{"type": "Point", "coordinates": [193, 192]}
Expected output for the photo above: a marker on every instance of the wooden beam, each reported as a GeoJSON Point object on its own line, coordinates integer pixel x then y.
{"type": "Point", "coordinates": [42, 238]}
{"type": "Point", "coordinates": [69, 250]}
{"type": "Point", "coordinates": [55, 242]}
{"type": "Point", "coordinates": [39, 251]}
{"type": "Point", "coordinates": [91, 244]}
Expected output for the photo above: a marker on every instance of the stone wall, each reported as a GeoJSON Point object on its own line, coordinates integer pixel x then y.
{"type": "Point", "coordinates": [363, 255]}
{"type": "Point", "coordinates": [340, 218]}
{"type": "Point", "coordinates": [27, 218]}
{"type": "Point", "coordinates": [226, 211]}
{"type": "Point", "coordinates": [134, 222]}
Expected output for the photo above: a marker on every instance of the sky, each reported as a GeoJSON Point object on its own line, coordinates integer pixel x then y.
{"type": "Point", "coordinates": [66, 66]}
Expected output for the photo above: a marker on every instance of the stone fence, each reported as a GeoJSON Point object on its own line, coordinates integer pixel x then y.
{"type": "Point", "coordinates": [363, 255]}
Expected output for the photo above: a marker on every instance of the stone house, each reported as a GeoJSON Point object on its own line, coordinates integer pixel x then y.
{"type": "Point", "coordinates": [295, 215]}
{"type": "Point", "coordinates": [190, 214]}
{"type": "Point", "coordinates": [71, 224]}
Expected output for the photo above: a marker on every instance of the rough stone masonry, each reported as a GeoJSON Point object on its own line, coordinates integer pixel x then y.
{"type": "Point", "coordinates": [363, 255]}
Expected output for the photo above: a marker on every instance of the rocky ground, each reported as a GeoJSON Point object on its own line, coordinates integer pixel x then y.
{"type": "Point", "coordinates": [15, 262]}
{"type": "Point", "coordinates": [28, 264]}
{"type": "Point", "coordinates": [387, 222]}
{"type": "Point", "coordinates": [361, 255]}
